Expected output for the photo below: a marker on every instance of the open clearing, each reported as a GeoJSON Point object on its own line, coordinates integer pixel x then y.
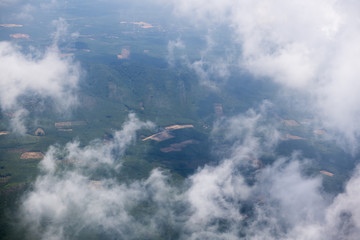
{"type": "Point", "coordinates": [292, 137]}
{"type": "Point", "coordinates": [320, 132]}
{"type": "Point", "coordinates": [159, 137]}
{"type": "Point", "coordinates": [4, 133]}
{"type": "Point", "coordinates": [164, 135]}
{"type": "Point", "coordinates": [327, 173]}
{"type": "Point", "coordinates": [125, 53]}
{"type": "Point", "coordinates": [69, 124]}
{"type": "Point", "coordinates": [65, 129]}
{"type": "Point", "coordinates": [290, 123]}
{"type": "Point", "coordinates": [177, 147]}
{"type": "Point", "coordinates": [10, 25]}
{"type": "Point", "coordinates": [20, 35]}
{"type": "Point", "coordinates": [175, 127]}
{"type": "Point", "coordinates": [32, 155]}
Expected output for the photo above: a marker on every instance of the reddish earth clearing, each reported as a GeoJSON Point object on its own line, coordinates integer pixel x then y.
{"type": "Point", "coordinates": [320, 132]}
{"type": "Point", "coordinates": [327, 173]}
{"type": "Point", "coordinates": [177, 147]}
{"type": "Point", "coordinates": [292, 137]}
{"type": "Point", "coordinates": [32, 155]}
{"type": "Point", "coordinates": [290, 123]}
{"type": "Point", "coordinates": [10, 25]}
{"type": "Point", "coordinates": [175, 127]}
{"type": "Point", "coordinates": [125, 53]}
{"type": "Point", "coordinates": [69, 124]}
{"type": "Point", "coordinates": [20, 35]}
{"type": "Point", "coordinates": [159, 137]}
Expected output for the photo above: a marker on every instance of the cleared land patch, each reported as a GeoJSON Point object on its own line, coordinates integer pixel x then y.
{"type": "Point", "coordinates": [20, 35]}
{"type": "Point", "coordinates": [175, 127]}
{"type": "Point", "coordinates": [177, 147]}
{"type": "Point", "coordinates": [69, 124]}
{"type": "Point", "coordinates": [292, 137]}
{"type": "Point", "coordinates": [320, 132]}
{"type": "Point", "coordinates": [125, 53]}
{"type": "Point", "coordinates": [290, 123]}
{"type": "Point", "coordinates": [159, 137]}
{"type": "Point", "coordinates": [10, 25]}
{"type": "Point", "coordinates": [32, 155]}
{"type": "Point", "coordinates": [4, 132]}
{"type": "Point", "coordinates": [166, 134]}
{"type": "Point", "coordinates": [65, 129]}
{"type": "Point", "coordinates": [326, 173]}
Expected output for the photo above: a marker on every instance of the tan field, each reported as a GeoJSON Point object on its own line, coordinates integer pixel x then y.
{"type": "Point", "coordinates": [65, 129]}
{"type": "Point", "coordinates": [125, 53]}
{"type": "Point", "coordinates": [292, 137]}
{"type": "Point", "coordinates": [32, 155]}
{"type": "Point", "coordinates": [320, 132]}
{"type": "Point", "coordinates": [175, 127]}
{"type": "Point", "coordinates": [20, 35]}
{"type": "Point", "coordinates": [159, 137]}
{"type": "Point", "coordinates": [11, 25]}
{"type": "Point", "coordinates": [177, 147]}
{"type": "Point", "coordinates": [143, 24]}
{"type": "Point", "coordinates": [164, 135]}
{"type": "Point", "coordinates": [290, 123]}
{"type": "Point", "coordinates": [327, 173]}
{"type": "Point", "coordinates": [4, 132]}
{"type": "Point", "coordinates": [69, 124]}
{"type": "Point", "coordinates": [4, 179]}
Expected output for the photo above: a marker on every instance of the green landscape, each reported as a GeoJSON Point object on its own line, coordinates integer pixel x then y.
{"type": "Point", "coordinates": [153, 129]}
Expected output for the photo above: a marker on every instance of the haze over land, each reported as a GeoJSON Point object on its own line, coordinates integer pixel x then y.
{"type": "Point", "coordinates": [179, 119]}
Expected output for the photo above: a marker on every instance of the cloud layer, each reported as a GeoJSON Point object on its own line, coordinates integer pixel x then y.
{"type": "Point", "coordinates": [45, 76]}
{"type": "Point", "coordinates": [305, 45]}
{"type": "Point", "coordinates": [78, 193]}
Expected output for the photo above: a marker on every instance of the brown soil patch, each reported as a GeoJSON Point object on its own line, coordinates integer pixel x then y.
{"type": "Point", "coordinates": [69, 124]}
{"type": "Point", "coordinates": [11, 25]}
{"type": "Point", "coordinates": [327, 173]}
{"type": "Point", "coordinates": [177, 147]}
{"type": "Point", "coordinates": [164, 135]}
{"type": "Point", "coordinates": [175, 127]}
{"type": "Point", "coordinates": [4, 179]}
{"type": "Point", "coordinates": [290, 123]}
{"type": "Point", "coordinates": [32, 155]}
{"type": "Point", "coordinates": [143, 24]}
{"type": "Point", "coordinates": [292, 137]}
{"type": "Point", "coordinates": [159, 137]}
{"type": "Point", "coordinates": [65, 129]}
{"type": "Point", "coordinates": [125, 53]}
{"type": "Point", "coordinates": [20, 35]}
{"type": "Point", "coordinates": [4, 132]}
{"type": "Point", "coordinates": [39, 132]}
{"type": "Point", "coordinates": [320, 132]}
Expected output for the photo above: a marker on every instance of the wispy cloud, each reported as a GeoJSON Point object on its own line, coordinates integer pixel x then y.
{"type": "Point", "coordinates": [43, 75]}
{"type": "Point", "coordinates": [305, 45]}
{"type": "Point", "coordinates": [78, 192]}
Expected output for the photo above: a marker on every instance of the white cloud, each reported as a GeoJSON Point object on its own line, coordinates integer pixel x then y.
{"type": "Point", "coordinates": [218, 202]}
{"type": "Point", "coordinates": [306, 45]}
{"type": "Point", "coordinates": [72, 200]}
{"type": "Point", "coordinates": [44, 75]}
